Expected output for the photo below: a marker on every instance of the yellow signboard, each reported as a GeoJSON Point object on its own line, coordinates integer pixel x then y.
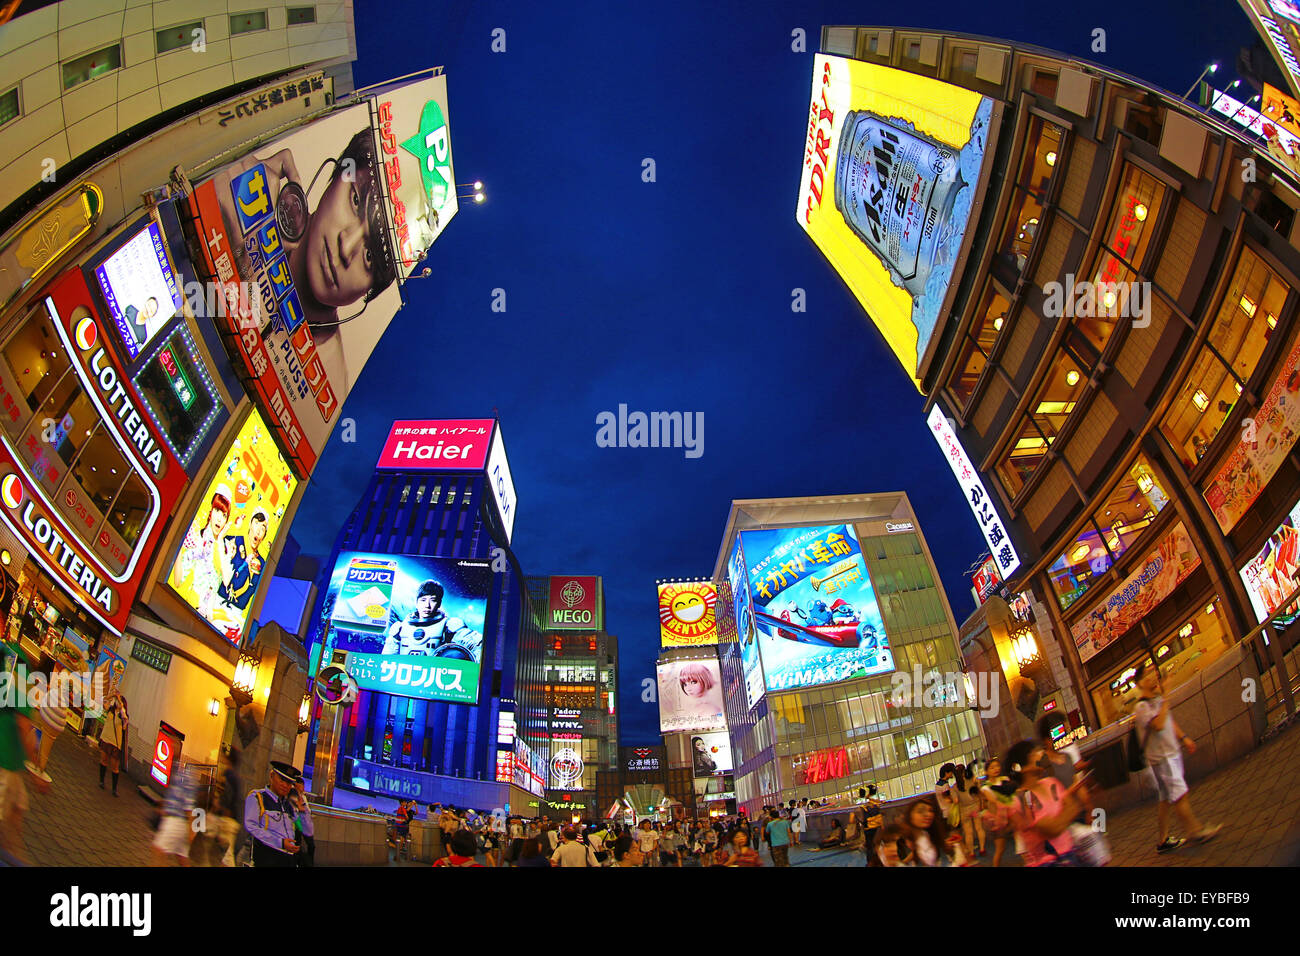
{"type": "Point", "coordinates": [686, 614]}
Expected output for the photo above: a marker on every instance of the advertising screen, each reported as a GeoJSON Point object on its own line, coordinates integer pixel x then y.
{"type": "Point", "coordinates": [219, 566]}
{"type": "Point", "coordinates": [449, 444]}
{"type": "Point", "coordinates": [402, 614]}
{"type": "Point", "coordinates": [686, 614]}
{"type": "Point", "coordinates": [815, 611]}
{"type": "Point", "coordinates": [891, 165]}
{"type": "Point", "coordinates": [751, 664]}
{"type": "Point", "coordinates": [986, 580]}
{"type": "Point", "coordinates": [139, 288]}
{"type": "Point", "coordinates": [308, 235]}
{"type": "Point", "coordinates": [1273, 574]}
{"type": "Point", "coordinates": [574, 604]}
{"type": "Point", "coordinates": [566, 766]}
{"type": "Point", "coordinates": [711, 753]}
{"type": "Point", "coordinates": [690, 696]}
{"type": "Point", "coordinates": [501, 484]}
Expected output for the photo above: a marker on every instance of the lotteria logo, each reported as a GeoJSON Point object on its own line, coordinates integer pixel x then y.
{"type": "Point", "coordinates": [432, 150]}
{"type": "Point", "coordinates": [11, 490]}
{"type": "Point", "coordinates": [42, 530]}
{"type": "Point", "coordinates": [85, 334]}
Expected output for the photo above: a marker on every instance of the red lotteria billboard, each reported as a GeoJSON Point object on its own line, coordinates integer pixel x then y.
{"type": "Point", "coordinates": [450, 444]}
{"type": "Point", "coordinates": [88, 480]}
{"type": "Point", "coordinates": [574, 604]}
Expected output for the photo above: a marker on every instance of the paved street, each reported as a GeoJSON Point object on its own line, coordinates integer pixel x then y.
{"type": "Point", "coordinates": [1257, 799]}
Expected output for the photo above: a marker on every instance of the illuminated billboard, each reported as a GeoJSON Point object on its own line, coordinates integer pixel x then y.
{"type": "Point", "coordinates": [690, 696]}
{"type": "Point", "coordinates": [414, 624]}
{"type": "Point", "coordinates": [220, 563]}
{"type": "Point", "coordinates": [574, 603]}
{"type": "Point", "coordinates": [139, 288]}
{"type": "Point", "coordinates": [751, 664]}
{"type": "Point", "coordinates": [448, 444]}
{"type": "Point", "coordinates": [1272, 575]}
{"type": "Point", "coordinates": [501, 484]}
{"type": "Point", "coordinates": [711, 753]}
{"type": "Point", "coordinates": [307, 245]}
{"type": "Point", "coordinates": [892, 162]}
{"type": "Point", "coordinates": [815, 611]}
{"type": "Point", "coordinates": [686, 614]}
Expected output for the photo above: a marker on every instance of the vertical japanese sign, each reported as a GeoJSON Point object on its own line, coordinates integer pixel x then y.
{"type": "Point", "coordinates": [972, 489]}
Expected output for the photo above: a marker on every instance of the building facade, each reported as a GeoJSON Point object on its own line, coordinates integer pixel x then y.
{"type": "Point", "coordinates": [821, 735]}
{"type": "Point", "coordinates": [1116, 363]}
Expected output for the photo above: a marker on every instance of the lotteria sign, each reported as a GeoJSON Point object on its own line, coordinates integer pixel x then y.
{"type": "Point", "coordinates": [64, 528]}
{"type": "Point", "coordinates": [574, 604]}
{"type": "Point", "coordinates": [442, 445]}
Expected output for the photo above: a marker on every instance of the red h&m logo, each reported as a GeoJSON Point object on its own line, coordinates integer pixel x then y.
{"type": "Point", "coordinates": [826, 765]}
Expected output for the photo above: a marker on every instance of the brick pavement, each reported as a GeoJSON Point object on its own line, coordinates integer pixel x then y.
{"type": "Point", "coordinates": [1256, 798]}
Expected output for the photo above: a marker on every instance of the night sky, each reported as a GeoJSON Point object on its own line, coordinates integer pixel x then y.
{"type": "Point", "coordinates": [673, 295]}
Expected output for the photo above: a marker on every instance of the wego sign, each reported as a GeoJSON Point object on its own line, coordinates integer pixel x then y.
{"type": "Point", "coordinates": [574, 604]}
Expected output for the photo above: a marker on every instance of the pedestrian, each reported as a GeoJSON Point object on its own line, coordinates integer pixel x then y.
{"type": "Point", "coordinates": [998, 796]}
{"type": "Point", "coordinates": [946, 797]}
{"type": "Point", "coordinates": [461, 850]}
{"type": "Point", "coordinates": [1162, 743]}
{"type": "Point", "coordinates": [670, 846]}
{"type": "Point", "coordinates": [834, 838]}
{"type": "Point", "coordinates": [873, 819]}
{"type": "Point", "coordinates": [112, 738]}
{"type": "Point", "coordinates": [552, 833]}
{"type": "Point", "coordinates": [530, 853]}
{"type": "Point", "coordinates": [891, 847]}
{"type": "Point", "coordinates": [176, 832]}
{"type": "Point", "coordinates": [744, 854]}
{"type": "Point", "coordinates": [798, 820]}
{"type": "Point", "coordinates": [596, 840]}
{"type": "Point", "coordinates": [227, 805]}
{"type": "Point", "coordinates": [448, 825]}
{"type": "Point", "coordinates": [647, 839]}
{"type": "Point", "coordinates": [778, 835]}
{"type": "Point", "coordinates": [1043, 809]}
{"type": "Point", "coordinates": [271, 818]}
{"type": "Point", "coordinates": [516, 833]}
{"type": "Point", "coordinates": [926, 832]}
{"type": "Point", "coordinates": [966, 790]}
{"type": "Point", "coordinates": [572, 853]}
{"type": "Point", "coordinates": [18, 750]}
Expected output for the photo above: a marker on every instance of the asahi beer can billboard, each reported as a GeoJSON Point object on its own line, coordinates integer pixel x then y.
{"type": "Point", "coordinates": [892, 162]}
{"type": "Point", "coordinates": [308, 237]}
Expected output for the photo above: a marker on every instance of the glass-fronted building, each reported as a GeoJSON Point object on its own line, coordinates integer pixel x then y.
{"type": "Point", "coordinates": [822, 738]}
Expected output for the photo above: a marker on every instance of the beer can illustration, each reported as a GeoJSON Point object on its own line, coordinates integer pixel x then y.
{"type": "Point", "coordinates": [896, 189]}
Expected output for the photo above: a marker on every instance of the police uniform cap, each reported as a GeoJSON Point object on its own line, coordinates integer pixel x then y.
{"type": "Point", "coordinates": [287, 771]}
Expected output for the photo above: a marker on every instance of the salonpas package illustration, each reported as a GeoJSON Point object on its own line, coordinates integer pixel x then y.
{"type": "Point", "coordinates": [366, 594]}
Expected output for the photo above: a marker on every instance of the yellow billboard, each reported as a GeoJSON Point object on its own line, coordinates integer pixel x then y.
{"type": "Point", "coordinates": [686, 614]}
{"type": "Point", "coordinates": [891, 166]}
{"type": "Point", "coordinates": [220, 563]}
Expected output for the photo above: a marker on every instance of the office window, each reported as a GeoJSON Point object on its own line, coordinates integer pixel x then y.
{"type": "Point", "coordinates": [92, 65]}
{"type": "Point", "coordinates": [1227, 360]}
{"type": "Point", "coordinates": [179, 37]}
{"type": "Point", "coordinates": [247, 22]}
{"type": "Point", "coordinates": [979, 344]}
{"type": "Point", "coordinates": [9, 108]}
{"type": "Point", "coordinates": [299, 15]}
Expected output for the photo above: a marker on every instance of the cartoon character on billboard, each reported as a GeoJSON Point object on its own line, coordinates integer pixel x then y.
{"type": "Point", "coordinates": [200, 559]}
{"type": "Point", "coordinates": [338, 253]}
{"type": "Point", "coordinates": [429, 632]}
{"type": "Point", "coordinates": [243, 560]}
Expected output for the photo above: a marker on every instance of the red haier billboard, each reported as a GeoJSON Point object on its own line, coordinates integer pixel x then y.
{"type": "Point", "coordinates": [449, 444]}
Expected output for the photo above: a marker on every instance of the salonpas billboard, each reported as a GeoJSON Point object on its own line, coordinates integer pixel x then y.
{"type": "Point", "coordinates": [891, 168]}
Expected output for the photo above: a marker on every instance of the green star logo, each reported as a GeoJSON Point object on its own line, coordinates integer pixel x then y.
{"type": "Point", "coordinates": [431, 148]}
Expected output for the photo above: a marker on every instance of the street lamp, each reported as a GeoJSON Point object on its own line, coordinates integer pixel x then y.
{"type": "Point", "coordinates": [1209, 69]}
{"type": "Point", "coordinates": [1223, 92]}
{"type": "Point", "coordinates": [1024, 648]}
{"type": "Point", "coordinates": [245, 682]}
{"type": "Point", "coordinates": [304, 714]}
{"type": "Point", "coordinates": [475, 191]}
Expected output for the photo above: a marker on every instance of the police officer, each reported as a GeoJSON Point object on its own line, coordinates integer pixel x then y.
{"type": "Point", "coordinates": [269, 817]}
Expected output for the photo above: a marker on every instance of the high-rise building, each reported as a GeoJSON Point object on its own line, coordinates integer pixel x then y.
{"type": "Point", "coordinates": [840, 662]}
{"type": "Point", "coordinates": [424, 605]}
{"type": "Point", "coordinates": [1109, 369]}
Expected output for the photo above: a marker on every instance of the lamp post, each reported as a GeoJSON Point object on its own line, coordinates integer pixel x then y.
{"type": "Point", "coordinates": [474, 191]}
{"type": "Point", "coordinates": [245, 682]}
{"type": "Point", "coordinates": [1209, 69]}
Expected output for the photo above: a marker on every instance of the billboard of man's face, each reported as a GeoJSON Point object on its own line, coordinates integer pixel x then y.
{"type": "Point", "coordinates": [426, 605]}
{"type": "Point", "coordinates": [335, 256]}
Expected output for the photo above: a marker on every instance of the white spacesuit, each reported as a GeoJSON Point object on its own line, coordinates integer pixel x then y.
{"type": "Point", "coordinates": [428, 631]}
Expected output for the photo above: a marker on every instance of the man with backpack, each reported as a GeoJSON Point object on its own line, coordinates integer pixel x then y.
{"type": "Point", "coordinates": [573, 853]}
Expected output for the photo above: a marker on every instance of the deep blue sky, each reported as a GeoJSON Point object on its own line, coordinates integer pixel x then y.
{"type": "Point", "coordinates": [673, 295]}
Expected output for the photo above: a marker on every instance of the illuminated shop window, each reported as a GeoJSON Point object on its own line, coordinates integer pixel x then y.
{"type": "Point", "coordinates": [1113, 296]}
{"type": "Point", "coordinates": [1043, 156]}
{"type": "Point", "coordinates": [1110, 531]}
{"type": "Point", "coordinates": [179, 394]}
{"type": "Point", "coordinates": [1022, 458]}
{"type": "Point", "coordinates": [1058, 395]}
{"type": "Point", "coordinates": [1228, 358]}
{"type": "Point", "coordinates": [989, 322]}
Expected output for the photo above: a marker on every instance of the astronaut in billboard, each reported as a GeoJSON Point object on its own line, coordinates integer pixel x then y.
{"type": "Point", "coordinates": [338, 253]}
{"type": "Point", "coordinates": [429, 632]}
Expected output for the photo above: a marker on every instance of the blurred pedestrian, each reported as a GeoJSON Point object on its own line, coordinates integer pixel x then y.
{"type": "Point", "coordinates": [891, 847]}
{"type": "Point", "coordinates": [778, 835]}
{"type": "Point", "coordinates": [998, 796]}
{"type": "Point", "coordinates": [743, 854]}
{"type": "Point", "coordinates": [926, 832]}
{"type": "Point", "coordinates": [227, 805]}
{"type": "Point", "coordinates": [18, 748]}
{"type": "Point", "coordinates": [1043, 809]}
{"type": "Point", "coordinates": [176, 830]}
{"type": "Point", "coordinates": [530, 853]}
{"type": "Point", "coordinates": [113, 737]}
{"type": "Point", "coordinates": [461, 851]}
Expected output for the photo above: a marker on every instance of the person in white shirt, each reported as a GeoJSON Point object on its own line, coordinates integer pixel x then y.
{"type": "Point", "coordinates": [647, 840]}
{"type": "Point", "coordinates": [573, 853]}
{"type": "Point", "coordinates": [1162, 743]}
{"type": "Point", "coordinates": [798, 820]}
